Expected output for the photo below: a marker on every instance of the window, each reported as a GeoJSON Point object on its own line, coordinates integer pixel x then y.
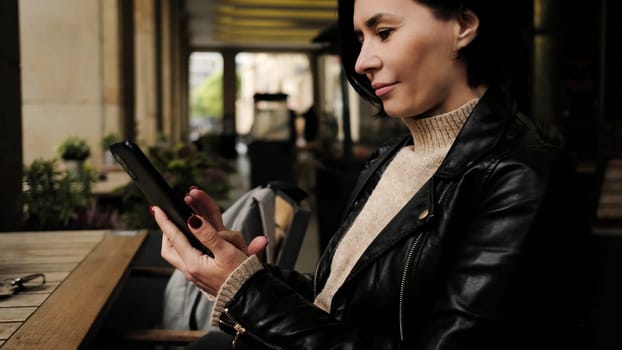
{"type": "Point", "coordinates": [206, 102]}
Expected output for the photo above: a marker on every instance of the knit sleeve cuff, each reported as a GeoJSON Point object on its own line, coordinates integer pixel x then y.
{"type": "Point", "coordinates": [207, 295]}
{"type": "Point", "coordinates": [232, 284]}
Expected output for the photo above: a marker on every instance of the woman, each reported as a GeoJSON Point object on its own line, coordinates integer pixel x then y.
{"type": "Point", "coordinates": [460, 236]}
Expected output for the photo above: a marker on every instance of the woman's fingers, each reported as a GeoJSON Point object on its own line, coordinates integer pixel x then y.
{"type": "Point", "coordinates": [257, 245]}
{"type": "Point", "coordinates": [206, 233]}
{"type": "Point", "coordinates": [175, 238]}
{"type": "Point", "coordinates": [205, 206]}
{"type": "Point", "coordinates": [235, 238]}
{"type": "Point", "coordinates": [227, 257]}
{"type": "Point", "coordinates": [170, 254]}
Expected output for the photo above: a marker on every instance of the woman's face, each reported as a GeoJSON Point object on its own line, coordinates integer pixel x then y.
{"type": "Point", "coordinates": [409, 56]}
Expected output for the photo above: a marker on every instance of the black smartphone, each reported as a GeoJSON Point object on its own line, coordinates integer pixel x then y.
{"type": "Point", "coordinates": [155, 188]}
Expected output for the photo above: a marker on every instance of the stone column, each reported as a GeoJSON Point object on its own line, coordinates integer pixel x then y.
{"type": "Point", "coordinates": [228, 95]}
{"type": "Point", "coordinates": [182, 77]}
{"type": "Point", "coordinates": [145, 72]}
{"type": "Point", "coordinates": [10, 117]}
{"type": "Point", "coordinates": [545, 80]}
{"type": "Point", "coordinates": [166, 68]}
{"type": "Point", "coordinates": [175, 122]}
{"type": "Point", "coordinates": [111, 66]}
{"type": "Point", "coordinates": [126, 69]}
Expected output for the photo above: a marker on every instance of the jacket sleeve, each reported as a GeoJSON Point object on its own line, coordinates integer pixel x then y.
{"type": "Point", "coordinates": [268, 313]}
{"type": "Point", "coordinates": [510, 281]}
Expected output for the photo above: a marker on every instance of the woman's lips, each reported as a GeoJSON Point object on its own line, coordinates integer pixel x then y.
{"type": "Point", "coordinates": [383, 89]}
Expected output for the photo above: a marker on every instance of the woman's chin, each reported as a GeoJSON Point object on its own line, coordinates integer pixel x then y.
{"type": "Point", "coordinates": [397, 113]}
{"type": "Point", "coordinates": [395, 110]}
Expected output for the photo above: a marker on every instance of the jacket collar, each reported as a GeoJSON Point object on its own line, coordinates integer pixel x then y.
{"type": "Point", "coordinates": [480, 134]}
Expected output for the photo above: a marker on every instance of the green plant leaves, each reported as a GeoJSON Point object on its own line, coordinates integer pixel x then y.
{"type": "Point", "coordinates": [51, 198]}
{"type": "Point", "coordinates": [74, 148]}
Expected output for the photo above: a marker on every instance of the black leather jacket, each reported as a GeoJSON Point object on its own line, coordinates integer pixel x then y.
{"type": "Point", "coordinates": [484, 256]}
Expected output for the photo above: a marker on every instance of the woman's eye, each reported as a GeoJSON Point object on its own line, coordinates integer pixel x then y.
{"type": "Point", "coordinates": [384, 33]}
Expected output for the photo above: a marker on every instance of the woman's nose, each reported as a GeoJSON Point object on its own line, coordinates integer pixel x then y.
{"type": "Point", "coordinates": [367, 61]}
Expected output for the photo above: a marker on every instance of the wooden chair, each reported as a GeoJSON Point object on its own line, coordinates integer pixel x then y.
{"type": "Point", "coordinates": [603, 255]}
{"type": "Point", "coordinates": [608, 194]}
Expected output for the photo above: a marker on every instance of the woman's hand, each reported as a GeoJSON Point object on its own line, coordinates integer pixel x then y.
{"type": "Point", "coordinates": [228, 247]}
{"type": "Point", "coordinates": [203, 205]}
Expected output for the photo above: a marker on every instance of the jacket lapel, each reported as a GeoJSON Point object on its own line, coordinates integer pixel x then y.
{"type": "Point", "coordinates": [384, 154]}
{"type": "Point", "coordinates": [409, 221]}
{"type": "Point", "coordinates": [480, 134]}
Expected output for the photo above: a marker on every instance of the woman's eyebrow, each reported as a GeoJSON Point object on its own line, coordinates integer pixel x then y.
{"type": "Point", "coordinates": [373, 21]}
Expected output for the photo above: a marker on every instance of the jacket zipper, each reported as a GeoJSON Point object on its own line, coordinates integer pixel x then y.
{"type": "Point", "coordinates": [239, 330]}
{"type": "Point", "coordinates": [409, 261]}
{"type": "Point", "coordinates": [442, 196]}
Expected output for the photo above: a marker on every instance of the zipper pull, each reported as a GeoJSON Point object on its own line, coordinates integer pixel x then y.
{"type": "Point", "coordinates": [239, 330]}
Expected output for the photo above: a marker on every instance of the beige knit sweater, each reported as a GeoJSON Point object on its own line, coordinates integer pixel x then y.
{"type": "Point", "coordinates": [404, 176]}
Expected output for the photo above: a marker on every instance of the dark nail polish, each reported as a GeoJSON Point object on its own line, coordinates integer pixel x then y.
{"type": "Point", "coordinates": [193, 188]}
{"type": "Point", "coordinates": [195, 222]}
{"type": "Point", "coordinates": [151, 211]}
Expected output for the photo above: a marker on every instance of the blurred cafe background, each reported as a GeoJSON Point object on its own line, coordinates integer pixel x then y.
{"type": "Point", "coordinates": [232, 94]}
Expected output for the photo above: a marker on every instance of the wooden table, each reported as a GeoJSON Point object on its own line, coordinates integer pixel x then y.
{"type": "Point", "coordinates": [116, 178]}
{"type": "Point", "coordinates": [83, 269]}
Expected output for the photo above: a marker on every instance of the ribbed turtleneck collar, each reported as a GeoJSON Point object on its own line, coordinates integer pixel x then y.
{"type": "Point", "coordinates": [438, 132]}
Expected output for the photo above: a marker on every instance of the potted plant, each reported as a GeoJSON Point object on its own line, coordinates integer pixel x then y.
{"type": "Point", "coordinates": [107, 140]}
{"type": "Point", "coordinates": [52, 199]}
{"type": "Point", "coordinates": [74, 150]}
